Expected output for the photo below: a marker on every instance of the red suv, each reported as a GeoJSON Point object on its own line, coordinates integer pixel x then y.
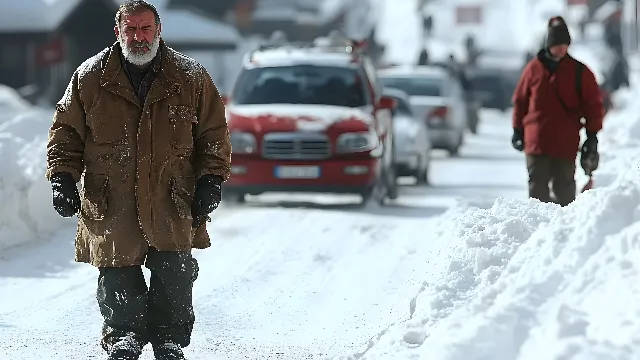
{"type": "Point", "coordinates": [310, 118]}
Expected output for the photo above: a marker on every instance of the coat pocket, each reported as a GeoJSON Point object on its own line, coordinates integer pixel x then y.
{"type": "Point", "coordinates": [182, 189]}
{"type": "Point", "coordinates": [182, 119]}
{"type": "Point", "coordinates": [94, 199]}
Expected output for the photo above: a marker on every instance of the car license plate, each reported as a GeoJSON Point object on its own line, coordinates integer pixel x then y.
{"type": "Point", "coordinates": [297, 172]}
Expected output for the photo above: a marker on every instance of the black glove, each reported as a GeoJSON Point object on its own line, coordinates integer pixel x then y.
{"type": "Point", "coordinates": [517, 139]}
{"type": "Point", "coordinates": [66, 199]}
{"type": "Point", "coordinates": [589, 156]}
{"type": "Point", "coordinates": [590, 146]}
{"type": "Point", "coordinates": [206, 198]}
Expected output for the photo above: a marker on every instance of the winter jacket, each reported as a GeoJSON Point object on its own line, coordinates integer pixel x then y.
{"type": "Point", "coordinates": [546, 104]}
{"type": "Point", "coordinates": [138, 162]}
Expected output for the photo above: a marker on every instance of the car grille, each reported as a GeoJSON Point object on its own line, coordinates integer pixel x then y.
{"type": "Point", "coordinates": [296, 146]}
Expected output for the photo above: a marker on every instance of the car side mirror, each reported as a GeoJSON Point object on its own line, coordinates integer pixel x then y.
{"type": "Point", "coordinates": [387, 102]}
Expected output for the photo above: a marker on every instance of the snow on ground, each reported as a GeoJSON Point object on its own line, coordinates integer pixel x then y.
{"type": "Point", "coordinates": [24, 214]}
{"type": "Point", "coordinates": [307, 277]}
{"type": "Point", "coordinates": [525, 280]}
{"type": "Point", "coordinates": [466, 269]}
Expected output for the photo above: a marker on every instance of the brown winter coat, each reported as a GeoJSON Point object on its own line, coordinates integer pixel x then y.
{"type": "Point", "coordinates": [138, 162]}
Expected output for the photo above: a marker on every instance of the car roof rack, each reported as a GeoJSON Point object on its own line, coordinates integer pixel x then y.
{"type": "Point", "coordinates": [334, 43]}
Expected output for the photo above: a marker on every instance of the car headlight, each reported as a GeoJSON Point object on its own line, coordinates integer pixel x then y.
{"type": "Point", "coordinates": [243, 143]}
{"type": "Point", "coordinates": [353, 142]}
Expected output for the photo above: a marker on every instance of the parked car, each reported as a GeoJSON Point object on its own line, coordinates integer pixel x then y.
{"type": "Point", "coordinates": [473, 104]}
{"type": "Point", "coordinates": [413, 145]}
{"type": "Point", "coordinates": [310, 118]}
{"type": "Point", "coordinates": [495, 76]}
{"type": "Point", "coordinates": [437, 98]}
{"type": "Point", "coordinates": [494, 87]}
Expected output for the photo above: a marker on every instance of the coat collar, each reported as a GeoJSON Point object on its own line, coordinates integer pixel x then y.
{"type": "Point", "coordinates": [167, 81]}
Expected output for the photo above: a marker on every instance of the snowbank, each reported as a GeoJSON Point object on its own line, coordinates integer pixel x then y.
{"type": "Point", "coordinates": [527, 280]}
{"type": "Point", "coordinates": [26, 213]}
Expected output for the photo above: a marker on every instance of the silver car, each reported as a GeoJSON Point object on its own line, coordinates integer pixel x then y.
{"type": "Point", "coordinates": [436, 98]}
{"type": "Point", "coordinates": [412, 142]}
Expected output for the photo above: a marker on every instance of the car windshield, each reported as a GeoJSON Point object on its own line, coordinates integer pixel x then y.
{"type": "Point", "coordinates": [301, 84]}
{"type": "Point", "coordinates": [415, 86]}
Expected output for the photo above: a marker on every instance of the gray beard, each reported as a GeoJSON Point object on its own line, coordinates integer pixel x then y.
{"type": "Point", "coordinates": [139, 59]}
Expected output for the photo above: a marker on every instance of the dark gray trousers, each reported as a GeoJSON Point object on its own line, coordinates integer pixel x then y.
{"type": "Point", "coordinates": [560, 173]}
{"type": "Point", "coordinates": [162, 312]}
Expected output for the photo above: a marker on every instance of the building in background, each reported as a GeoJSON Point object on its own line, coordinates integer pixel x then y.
{"type": "Point", "coordinates": [207, 40]}
{"type": "Point", "coordinates": [43, 42]}
{"type": "Point", "coordinates": [216, 9]}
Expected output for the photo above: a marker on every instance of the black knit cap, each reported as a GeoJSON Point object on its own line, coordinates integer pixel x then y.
{"type": "Point", "coordinates": [557, 32]}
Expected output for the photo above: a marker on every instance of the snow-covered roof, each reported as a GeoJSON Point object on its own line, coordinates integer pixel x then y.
{"type": "Point", "coordinates": [291, 56]}
{"type": "Point", "coordinates": [34, 15]}
{"type": "Point", "coordinates": [310, 12]}
{"type": "Point", "coordinates": [413, 71]}
{"type": "Point", "coordinates": [180, 26]}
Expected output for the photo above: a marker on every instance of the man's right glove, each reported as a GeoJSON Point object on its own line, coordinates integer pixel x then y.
{"type": "Point", "coordinates": [517, 139]}
{"type": "Point", "coordinates": [66, 199]}
{"type": "Point", "coordinates": [589, 156]}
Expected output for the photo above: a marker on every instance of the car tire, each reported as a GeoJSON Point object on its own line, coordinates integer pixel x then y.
{"type": "Point", "coordinates": [454, 150]}
{"type": "Point", "coordinates": [422, 175]}
{"type": "Point", "coordinates": [233, 197]}
{"type": "Point", "coordinates": [473, 127]}
{"type": "Point", "coordinates": [391, 182]}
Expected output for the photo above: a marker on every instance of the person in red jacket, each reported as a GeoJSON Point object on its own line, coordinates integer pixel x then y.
{"type": "Point", "coordinates": [547, 117]}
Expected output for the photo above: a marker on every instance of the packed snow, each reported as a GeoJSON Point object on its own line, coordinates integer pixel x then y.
{"type": "Point", "coordinates": [24, 215]}
{"type": "Point", "coordinates": [466, 269]}
{"type": "Point", "coordinates": [526, 280]}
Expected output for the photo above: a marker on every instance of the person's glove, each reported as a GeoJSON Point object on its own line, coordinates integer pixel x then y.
{"type": "Point", "coordinates": [589, 156]}
{"type": "Point", "coordinates": [206, 198]}
{"type": "Point", "coordinates": [517, 139]}
{"type": "Point", "coordinates": [66, 199]}
{"type": "Point", "coordinates": [590, 145]}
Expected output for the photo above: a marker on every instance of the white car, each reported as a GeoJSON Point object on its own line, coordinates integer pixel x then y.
{"type": "Point", "coordinates": [436, 98]}
{"type": "Point", "coordinates": [412, 141]}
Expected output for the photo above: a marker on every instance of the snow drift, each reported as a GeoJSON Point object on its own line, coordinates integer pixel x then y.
{"type": "Point", "coordinates": [527, 280]}
{"type": "Point", "coordinates": [26, 212]}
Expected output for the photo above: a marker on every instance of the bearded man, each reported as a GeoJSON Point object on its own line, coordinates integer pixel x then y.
{"type": "Point", "coordinates": [143, 127]}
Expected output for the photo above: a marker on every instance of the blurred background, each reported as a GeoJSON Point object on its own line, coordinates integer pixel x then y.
{"type": "Point", "coordinates": [43, 41]}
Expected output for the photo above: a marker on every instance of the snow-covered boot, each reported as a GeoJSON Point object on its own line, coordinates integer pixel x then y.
{"type": "Point", "coordinates": [168, 351]}
{"type": "Point", "coordinates": [126, 348]}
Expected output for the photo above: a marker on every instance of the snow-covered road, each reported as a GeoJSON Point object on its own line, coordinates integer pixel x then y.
{"type": "Point", "coordinates": [289, 277]}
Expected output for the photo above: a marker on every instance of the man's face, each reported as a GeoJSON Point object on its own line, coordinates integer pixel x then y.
{"type": "Point", "coordinates": [139, 36]}
{"type": "Point", "coordinates": [559, 51]}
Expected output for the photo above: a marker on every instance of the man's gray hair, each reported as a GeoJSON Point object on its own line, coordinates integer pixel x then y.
{"type": "Point", "coordinates": [135, 6]}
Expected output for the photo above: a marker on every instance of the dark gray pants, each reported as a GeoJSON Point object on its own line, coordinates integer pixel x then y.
{"type": "Point", "coordinates": [559, 172]}
{"type": "Point", "coordinates": [163, 312]}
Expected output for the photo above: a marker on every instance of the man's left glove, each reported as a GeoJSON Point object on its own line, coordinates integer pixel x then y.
{"type": "Point", "coordinates": [589, 156]}
{"type": "Point", "coordinates": [206, 198]}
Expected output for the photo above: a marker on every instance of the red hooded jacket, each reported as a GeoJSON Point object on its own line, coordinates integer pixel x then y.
{"type": "Point", "coordinates": [547, 106]}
